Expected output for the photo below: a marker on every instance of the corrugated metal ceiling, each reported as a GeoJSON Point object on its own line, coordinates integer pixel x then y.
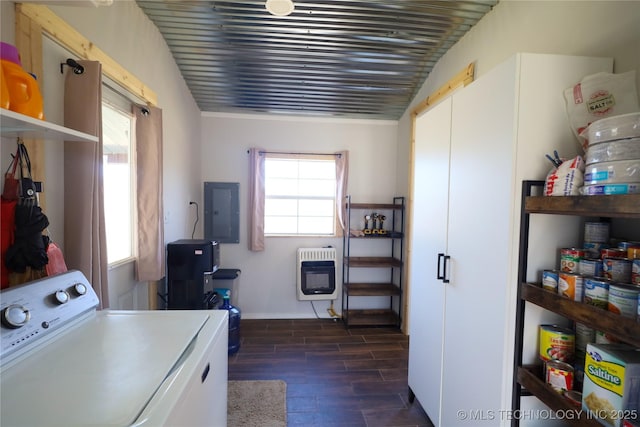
{"type": "Point", "coordinates": [355, 59]}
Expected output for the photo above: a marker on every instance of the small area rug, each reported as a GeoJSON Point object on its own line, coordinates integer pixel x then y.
{"type": "Point", "coordinates": [257, 404]}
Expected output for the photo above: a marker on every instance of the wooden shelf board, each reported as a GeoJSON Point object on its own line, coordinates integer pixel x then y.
{"type": "Point", "coordinates": [13, 125]}
{"type": "Point", "coordinates": [372, 262]}
{"type": "Point", "coordinates": [530, 380]}
{"type": "Point", "coordinates": [389, 235]}
{"type": "Point", "coordinates": [376, 206]}
{"type": "Point", "coordinates": [626, 329]}
{"type": "Point", "coordinates": [371, 289]}
{"type": "Point", "coordinates": [614, 206]}
{"type": "Point", "coordinates": [370, 317]}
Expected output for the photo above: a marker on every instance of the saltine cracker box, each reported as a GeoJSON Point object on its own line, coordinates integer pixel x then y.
{"type": "Point", "coordinates": [611, 389]}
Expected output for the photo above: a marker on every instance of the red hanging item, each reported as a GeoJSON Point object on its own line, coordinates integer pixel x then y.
{"type": "Point", "coordinates": [11, 187]}
{"type": "Point", "coordinates": [10, 195]}
{"type": "Point", "coordinates": [56, 262]}
{"type": "Point", "coordinates": [7, 222]}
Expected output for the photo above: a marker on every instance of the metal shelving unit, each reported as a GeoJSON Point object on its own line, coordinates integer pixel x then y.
{"type": "Point", "coordinates": [528, 379]}
{"type": "Point", "coordinates": [393, 264]}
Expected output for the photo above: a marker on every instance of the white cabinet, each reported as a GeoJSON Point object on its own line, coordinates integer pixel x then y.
{"type": "Point", "coordinates": [471, 153]}
{"type": "Point", "coordinates": [429, 237]}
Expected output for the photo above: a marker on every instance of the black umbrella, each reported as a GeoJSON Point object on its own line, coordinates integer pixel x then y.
{"type": "Point", "coordinates": [29, 248]}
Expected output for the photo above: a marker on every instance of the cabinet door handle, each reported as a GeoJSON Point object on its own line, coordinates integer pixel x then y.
{"type": "Point", "coordinates": [445, 277]}
{"type": "Point", "coordinates": [439, 276]}
{"type": "Point", "coordinates": [205, 373]}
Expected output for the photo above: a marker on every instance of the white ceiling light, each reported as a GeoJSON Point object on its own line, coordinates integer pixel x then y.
{"type": "Point", "coordinates": [279, 7]}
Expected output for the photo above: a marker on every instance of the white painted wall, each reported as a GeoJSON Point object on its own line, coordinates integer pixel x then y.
{"type": "Point", "coordinates": [267, 282]}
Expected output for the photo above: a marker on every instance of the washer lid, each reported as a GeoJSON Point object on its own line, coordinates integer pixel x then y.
{"type": "Point", "coordinates": [103, 372]}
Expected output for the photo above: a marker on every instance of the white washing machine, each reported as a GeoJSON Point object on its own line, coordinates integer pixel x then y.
{"type": "Point", "coordinates": [65, 363]}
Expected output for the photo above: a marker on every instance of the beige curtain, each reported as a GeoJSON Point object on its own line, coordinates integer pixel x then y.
{"type": "Point", "coordinates": [151, 255]}
{"type": "Point", "coordinates": [84, 227]}
{"type": "Point", "coordinates": [256, 200]}
{"type": "Point", "coordinates": [342, 181]}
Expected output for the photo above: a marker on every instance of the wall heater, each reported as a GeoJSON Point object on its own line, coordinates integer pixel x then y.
{"type": "Point", "coordinates": [316, 274]}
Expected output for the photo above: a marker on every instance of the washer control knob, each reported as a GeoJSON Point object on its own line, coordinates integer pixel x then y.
{"type": "Point", "coordinates": [61, 296]}
{"type": "Point", "coordinates": [79, 289]}
{"type": "Point", "coordinates": [15, 316]}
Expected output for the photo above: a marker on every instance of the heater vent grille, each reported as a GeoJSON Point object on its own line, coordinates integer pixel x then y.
{"type": "Point", "coordinates": [316, 254]}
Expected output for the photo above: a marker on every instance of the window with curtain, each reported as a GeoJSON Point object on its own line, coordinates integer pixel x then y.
{"type": "Point", "coordinates": [119, 176]}
{"type": "Point", "coordinates": [300, 195]}
{"type": "Point", "coordinates": [296, 194]}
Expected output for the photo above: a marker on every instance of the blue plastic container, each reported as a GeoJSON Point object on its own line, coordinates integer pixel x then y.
{"type": "Point", "coordinates": [234, 325]}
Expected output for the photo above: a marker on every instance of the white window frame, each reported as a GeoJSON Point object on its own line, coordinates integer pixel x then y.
{"type": "Point", "coordinates": [298, 197]}
{"type": "Point", "coordinates": [120, 103]}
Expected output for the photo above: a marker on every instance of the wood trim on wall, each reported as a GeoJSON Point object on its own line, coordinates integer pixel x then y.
{"type": "Point", "coordinates": [462, 78]}
{"type": "Point", "coordinates": [62, 33]}
{"type": "Point", "coordinates": [29, 45]}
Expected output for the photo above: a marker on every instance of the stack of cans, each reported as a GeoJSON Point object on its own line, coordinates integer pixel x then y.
{"type": "Point", "coordinates": [603, 272]}
{"type": "Point", "coordinates": [613, 156]}
{"type": "Point", "coordinates": [596, 239]}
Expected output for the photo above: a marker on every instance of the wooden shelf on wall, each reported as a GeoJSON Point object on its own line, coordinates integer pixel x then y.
{"type": "Point", "coordinates": [613, 206]}
{"type": "Point", "coordinates": [626, 329]}
{"type": "Point", "coordinates": [531, 381]}
{"type": "Point", "coordinates": [14, 125]}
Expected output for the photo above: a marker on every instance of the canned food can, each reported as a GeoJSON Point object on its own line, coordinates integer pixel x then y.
{"type": "Point", "coordinates": [623, 299]}
{"type": "Point", "coordinates": [617, 269]}
{"type": "Point", "coordinates": [592, 249]}
{"type": "Point", "coordinates": [635, 272]}
{"type": "Point", "coordinates": [570, 285]}
{"type": "Point", "coordinates": [569, 259]}
{"type": "Point", "coordinates": [633, 252]}
{"type": "Point", "coordinates": [613, 253]}
{"type": "Point", "coordinates": [556, 343]}
{"type": "Point", "coordinates": [596, 232]}
{"type": "Point", "coordinates": [596, 292]}
{"type": "Point", "coordinates": [584, 336]}
{"type": "Point", "coordinates": [559, 375]}
{"type": "Point", "coordinates": [550, 280]}
{"type": "Point", "coordinates": [590, 267]}
{"type": "Point", "coordinates": [626, 245]}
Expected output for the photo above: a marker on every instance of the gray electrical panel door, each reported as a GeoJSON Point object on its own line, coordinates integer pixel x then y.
{"type": "Point", "coordinates": [222, 212]}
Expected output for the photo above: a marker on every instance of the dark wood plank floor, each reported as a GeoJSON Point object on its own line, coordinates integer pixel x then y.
{"type": "Point", "coordinates": [335, 376]}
